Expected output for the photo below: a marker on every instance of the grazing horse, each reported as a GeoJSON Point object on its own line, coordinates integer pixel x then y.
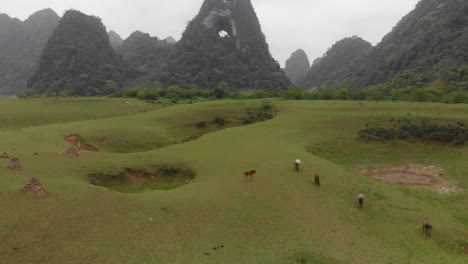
{"type": "Point", "coordinates": [427, 228]}
{"type": "Point", "coordinates": [361, 199]}
{"type": "Point", "coordinates": [249, 174]}
{"type": "Point", "coordinates": [317, 179]}
{"type": "Point", "coordinates": [297, 164]}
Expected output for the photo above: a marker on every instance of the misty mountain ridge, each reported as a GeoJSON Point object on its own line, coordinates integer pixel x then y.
{"type": "Point", "coordinates": [334, 63]}
{"type": "Point", "coordinates": [21, 44]}
{"type": "Point", "coordinates": [146, 54]}
{"type": "Point", "coordinates": [224, 42]}
{"type": "Point", "coordinates": [297, 66]}
{"type": "Point", "coordinates": [114, 39]}
{"type": "Point", "coordinates": [79, 60]}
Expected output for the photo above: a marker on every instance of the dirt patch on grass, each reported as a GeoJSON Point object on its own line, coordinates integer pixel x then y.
{"type": "Point", "coordinates": [76, 140]}
{"type": "Point", "coordinates": [129, 180]}
{"type": "Point", "coordinates": [413, 175]}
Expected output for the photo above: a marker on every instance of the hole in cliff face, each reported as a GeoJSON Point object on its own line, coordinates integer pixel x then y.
{"type": "Point", "coordinates": [224, 34]}
{"type": "Point", "coordinates": [223, 26]}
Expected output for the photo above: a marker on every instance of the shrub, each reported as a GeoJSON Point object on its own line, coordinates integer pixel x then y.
{"type": "Point", "coordinates": [200, 124]}
{"type": "Point", "coordinates": [455, 135]}
{"type": "Point", "coordinates": [219, 121]}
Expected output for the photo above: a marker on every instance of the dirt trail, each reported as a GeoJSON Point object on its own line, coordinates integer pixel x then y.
{"type": "Point", "coordinates": [413, 175]}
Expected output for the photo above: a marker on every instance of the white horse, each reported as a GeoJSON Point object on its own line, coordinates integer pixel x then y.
{"type": "Point", "coordinates": [297, 164]}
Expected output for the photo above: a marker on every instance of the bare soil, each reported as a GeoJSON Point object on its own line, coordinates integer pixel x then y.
{"type": "Point", "coordinates": [413, 175]}
{"type": "Point", "coordinates": [74, 139]}
{"type": "Point", "coordinates": [129, 180]}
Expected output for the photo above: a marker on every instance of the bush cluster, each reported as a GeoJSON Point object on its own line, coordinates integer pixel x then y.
{"type": "Point", "coordinates": [453, 134]}
{"type": "Point", "coordinates": [266, 111]}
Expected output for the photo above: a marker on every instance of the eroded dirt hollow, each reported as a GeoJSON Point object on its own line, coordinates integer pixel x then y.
{"type": "Point", "coordinates": [414, 175]}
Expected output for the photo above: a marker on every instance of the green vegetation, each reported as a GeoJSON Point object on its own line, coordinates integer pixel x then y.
{"type": "Point", "coordinates": [383, 92]}
{"type": "Point", "coordinates": [453, 134]}
{"type": "Point", "coordinates": [279, 217]}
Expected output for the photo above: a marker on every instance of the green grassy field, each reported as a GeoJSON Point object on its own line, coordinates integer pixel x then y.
{"type": "Point", "coordinates": [279, 217]}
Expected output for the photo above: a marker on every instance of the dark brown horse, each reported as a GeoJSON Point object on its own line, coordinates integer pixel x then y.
{"type": "Point", "coordinates": [427, 228]}
{"type": "Point", "coordinates": [317, 179]}
{"type": "Point", "coordinates": [249, 174]}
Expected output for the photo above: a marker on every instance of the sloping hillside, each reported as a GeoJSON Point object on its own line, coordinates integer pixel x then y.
{"type": "Point", "coordinates": [278, 217]}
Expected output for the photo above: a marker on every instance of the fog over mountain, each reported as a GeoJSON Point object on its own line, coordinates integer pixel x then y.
{"type": "Point", "coordinates": [21, 44]}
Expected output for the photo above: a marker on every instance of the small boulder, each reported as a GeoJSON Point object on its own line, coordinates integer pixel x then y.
{"type": "Point", "coordinates": [35, 187]}
{"type": "Point", "coordinates": [72, 152]}
{"type": "Point", "coordinates": [5, 155]}
{"type": "Point", "coordinates": [15, 164]}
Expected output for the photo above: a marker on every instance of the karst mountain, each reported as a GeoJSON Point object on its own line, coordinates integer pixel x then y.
{"type": "Point", "coordinates": [428, 45]}
{"type": "Point", "coordinates": [21, 44]}
{"type": "Point", "coordinates": [297, 66]}
{"type": "Point", "coordinates": [224, 42]}
{"type": "Point", "coordinates": [79, 60]}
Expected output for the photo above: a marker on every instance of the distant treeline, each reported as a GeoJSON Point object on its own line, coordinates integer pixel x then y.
{"type": "Point", "coordinates": [437, 92]}
{"type": "Point", "coordinates": [381, 92]}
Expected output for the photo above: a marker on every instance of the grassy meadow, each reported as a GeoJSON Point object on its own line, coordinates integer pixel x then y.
{"type": "Point", "coordinates": [279, 217]}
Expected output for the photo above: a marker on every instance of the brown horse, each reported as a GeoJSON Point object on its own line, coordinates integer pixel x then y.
{"type": "Point", "coordinates": [249, 174]}
{"type": "Point", "coordinates": [317, 179]}
{"type": "Point", "coordinates": [427, 228]}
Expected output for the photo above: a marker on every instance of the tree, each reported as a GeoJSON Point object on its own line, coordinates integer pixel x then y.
{"type": "Point", "coordinates": [221, 90]}
{"type": "Point", "coordinates": [295, 93]}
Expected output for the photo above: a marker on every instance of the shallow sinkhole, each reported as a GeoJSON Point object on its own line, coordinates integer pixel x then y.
{"type": "Point", "coordinates": [137, 180]}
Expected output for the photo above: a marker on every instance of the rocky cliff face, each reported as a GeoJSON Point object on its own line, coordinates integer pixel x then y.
{"type": "Point", "coordinates": [334, 63]}
{"type": "Point", "coordinates": [146, 54]}
{"type": "Point", "coordinates": [79, 60]}
{"type": "Point", "coordinates": [21, 44]}
{"type": "Point", "coordinates": [224, 42]}
{"type": "Point", "coordinates": [297, 66]}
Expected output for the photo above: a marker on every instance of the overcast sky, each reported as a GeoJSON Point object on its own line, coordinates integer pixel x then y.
{"type": "Point", "coordinates": [313, 25]}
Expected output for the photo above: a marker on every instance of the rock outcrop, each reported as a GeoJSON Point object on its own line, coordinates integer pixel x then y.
{"type": "Point", "coordinates": [224, 42]}
{"type": "Point", "coordinates": [15, 164]}
{"type": "Point", "coordinates": [21, 44]}
{"type": "Point", "coordinates": [297, 66]}
{"type": "Point", "coordinates": [72, 152]}
{"type": "Point", "coordinates": [34, 187]}
{"type": "Point", "coordinates": [79, 60]}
